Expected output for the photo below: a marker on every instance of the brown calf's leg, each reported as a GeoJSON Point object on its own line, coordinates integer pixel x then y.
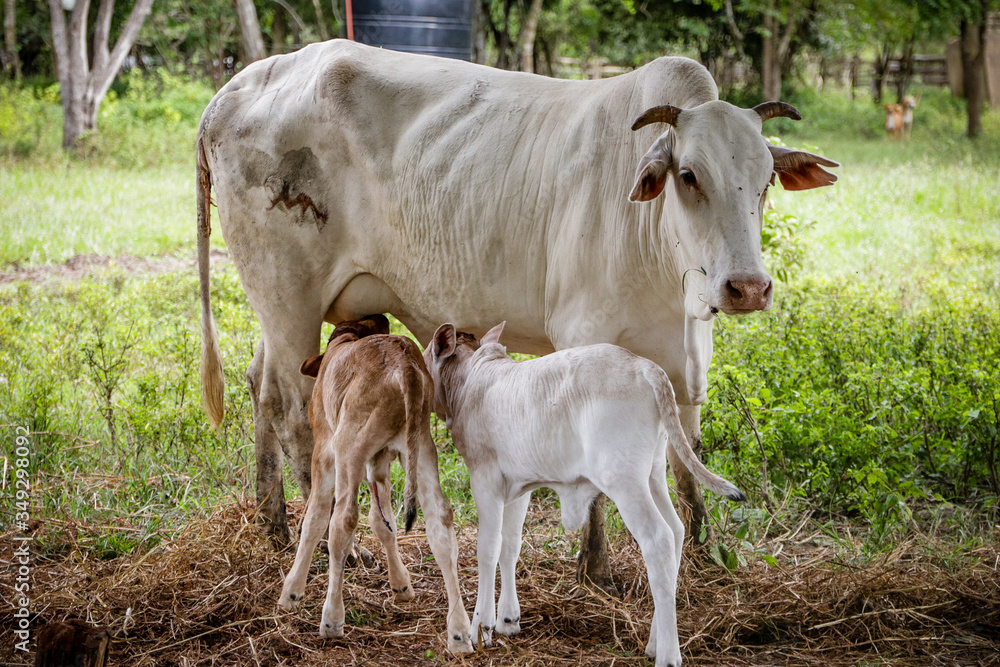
{"type": "Point", "coordinates": [342, 525]}
{"type": "Point", "coordinates": [444, 545]}
{"type": "Point", "coordinates": [383, 524]}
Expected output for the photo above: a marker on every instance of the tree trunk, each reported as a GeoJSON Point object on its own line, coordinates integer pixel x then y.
{"type": "Point", "coordinates": [905, 74]}
{"type": "Point", "coordinates": [11, 60]}
{"type": "Point", "coordinates": [527, 37]}
{"type": "Point", "coordinates": [881, 65]}
{"type": "Point", "coordinates": [771, 74]}
{"type": "Point", "coordinates": [324, 34]}
{"type": "Point", "coordinates": [253, 41]}
{"type": "Point", "coordinates": [278, 33]}
{"type": "Point", "coordinates": [973, 62]}
{"type": "Point", "coordinates": [479, 41]}
{"type": "Point", "coordinates": [82, 86]}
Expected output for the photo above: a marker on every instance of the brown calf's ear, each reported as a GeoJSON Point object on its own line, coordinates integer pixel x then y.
{"type": "Point", "coordinates": [310, 367]}
{"type": "Point", "coordinates": [493, 335]}
{"type": "Point", "coordinates": [799, 170]}
{"type": "Point", "coordinates": [444, 342]}
{"type": "Point", "coordinates": [378, 324]}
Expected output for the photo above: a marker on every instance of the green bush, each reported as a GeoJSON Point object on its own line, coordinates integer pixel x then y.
{"type": "Point", "coordinates": [856, 396]}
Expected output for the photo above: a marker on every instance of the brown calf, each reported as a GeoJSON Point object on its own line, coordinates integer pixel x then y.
{"type": "Point", "coordinates": [372, 403]}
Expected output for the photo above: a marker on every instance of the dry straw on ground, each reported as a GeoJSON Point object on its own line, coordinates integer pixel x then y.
{"type": "Point", "coordinates": [206, 596]}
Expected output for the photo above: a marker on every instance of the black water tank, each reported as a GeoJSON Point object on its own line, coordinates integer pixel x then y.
{"type": "Point", "coordinates": [432, 27]}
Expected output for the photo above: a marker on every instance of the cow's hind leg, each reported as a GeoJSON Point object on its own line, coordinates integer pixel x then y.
{"type": "Point", "coordinates": [280, 396]}
{"type": "Point", "coordinates": [270, 489]}
{"type": "Point", "coordinates": [383, 523]}
{"type": "Point", "coordinates": [689, 493]}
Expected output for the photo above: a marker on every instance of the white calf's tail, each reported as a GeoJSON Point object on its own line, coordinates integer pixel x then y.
{"type": "Point", "coordinates": [678, 440]}
{"type": "Point", "coordinates": [212, 381]}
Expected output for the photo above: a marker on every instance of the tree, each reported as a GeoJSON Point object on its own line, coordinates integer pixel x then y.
{"type": "Point", "coordinates": [84, 83]}
{"type": "Point", "coordinates": [10, 59]}
{"type": "Point", "coordinates": [973, 40]}
{"type": "Point", "coordinates": [253, 40]}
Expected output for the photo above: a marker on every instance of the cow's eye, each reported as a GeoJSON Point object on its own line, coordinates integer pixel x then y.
{"type": "Point", "coordinates": [689, 179]}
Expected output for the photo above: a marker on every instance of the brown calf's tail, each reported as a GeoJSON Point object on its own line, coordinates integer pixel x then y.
{"type": "Point", "coordinates": [212, 380]}
{"type": "Point", "coordinates": [679, 442]}
{"type": "Point", "coordinates": [417, 421]}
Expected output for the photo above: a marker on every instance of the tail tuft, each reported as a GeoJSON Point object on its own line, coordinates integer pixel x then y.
{"type": "Point", "coordinates": [735, 494]}
{"type": "Point", "coordinates": [411, 513]}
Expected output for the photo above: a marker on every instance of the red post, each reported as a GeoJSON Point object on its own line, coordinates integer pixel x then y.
{"type": "Point", "coordinates": [350, 19]}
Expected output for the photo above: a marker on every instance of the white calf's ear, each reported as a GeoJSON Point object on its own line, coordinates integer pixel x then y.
{"type": "Point", "coordinates": [493, 335]}
{"type": "Point", "coordinates": [444, 342]}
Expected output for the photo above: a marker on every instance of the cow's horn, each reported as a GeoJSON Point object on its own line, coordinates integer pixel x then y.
{"type": "Point", "coordinates": [769, 110]}
{"type": "Point", "coordinates": [665, 114]}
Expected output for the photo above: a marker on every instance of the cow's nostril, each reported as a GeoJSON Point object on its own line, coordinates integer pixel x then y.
{"type": "Point", "coordinates": [733, 291]}
{"type": "Point", "coordinates": [769, 289]}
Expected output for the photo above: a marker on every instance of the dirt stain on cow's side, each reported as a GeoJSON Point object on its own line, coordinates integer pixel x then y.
{"type": "Point", "coordinates": [292, 182]}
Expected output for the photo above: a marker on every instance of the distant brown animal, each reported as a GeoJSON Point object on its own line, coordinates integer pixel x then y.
{"type": "Point", "coordinates": [371, 403]}
{"type": "Point", "coordinates": [894, 121]}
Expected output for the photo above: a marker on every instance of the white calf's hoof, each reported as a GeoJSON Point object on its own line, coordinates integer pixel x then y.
{"type": "Point", "coordinates": [405, 594]}
{"type": "Point", "coordinates": [289, 601]}
{"type": "Point", "coordinates": [331, 630]}
{"type": "Point", "coordinates": [459, 643]}
{"type": "Point", "coordinates": [509, 626]}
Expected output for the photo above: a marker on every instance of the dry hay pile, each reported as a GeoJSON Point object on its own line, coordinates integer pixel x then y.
{"type": "Point", "coordinates": [207, 597]}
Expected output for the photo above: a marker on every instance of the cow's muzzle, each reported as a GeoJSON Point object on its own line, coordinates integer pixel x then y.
{"type": "Point", "coordinates": [745, 294]}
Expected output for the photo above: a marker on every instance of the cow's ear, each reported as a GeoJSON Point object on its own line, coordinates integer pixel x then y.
{"type": "Point", "coordinates": [493, 335]}
{"type": "Point", "coordinates": [444, 342]}
{"type": "Point", "coordinates": [649, 180]}
{"type": "Point", "coordinates": [310, 367]}
{"type": "Point", "coordinates": [799, 170]}
{"type": "Point", "coordinates": [651, 175]}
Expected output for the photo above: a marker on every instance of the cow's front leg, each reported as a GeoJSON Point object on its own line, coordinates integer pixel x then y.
{"type": "Point", "coordinates": [689, 493]}
{"type": "Point", "coordinates": [592, 565]}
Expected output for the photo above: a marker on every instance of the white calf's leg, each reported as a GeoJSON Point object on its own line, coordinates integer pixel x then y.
{"type": "Point", "coordinates": [509, 609]}
{"type": "Point", "coordinates": [316, 520]}
{"type": "Point", "coordinates": [661, 496]}
{"type": "Point", "coordinates": [383, 524]}
{"type": "Point", "coordinates": [441, 536]}
{"type": "Point", "coordinates": [342, 525]}
{"type": "Point", "coordinates": [656, 540]}
{"type": "Point", "coordinates": [489, 506]}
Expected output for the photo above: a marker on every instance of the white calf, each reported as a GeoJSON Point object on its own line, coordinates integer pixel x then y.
{"type": "Point", "coordinates": [372, 403]}
{"type": "Point", "coordinates": [582, 421]}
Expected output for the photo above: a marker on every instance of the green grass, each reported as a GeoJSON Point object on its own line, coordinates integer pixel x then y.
{"type": "Point", "coordinates": [49, 214]}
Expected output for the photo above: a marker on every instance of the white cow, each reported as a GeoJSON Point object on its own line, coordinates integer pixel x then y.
{"type": "Point", "coordinates": [593, 419]}
{"type": "Point", "coordinates": [352, 180]}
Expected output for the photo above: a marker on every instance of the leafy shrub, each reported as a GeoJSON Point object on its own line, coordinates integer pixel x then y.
{"type": "Point", "coordinates": [857, 397]}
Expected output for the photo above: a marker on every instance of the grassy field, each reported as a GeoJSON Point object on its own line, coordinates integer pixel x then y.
{"type": "Point", "coordinates": [871, 392]}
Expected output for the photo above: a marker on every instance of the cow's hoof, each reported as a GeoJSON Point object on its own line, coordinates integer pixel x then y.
{"type": "Point", "coordinates": [460, 643]}
{"type": "Point", "coordinates": [331, 630]}
{"type": "Point", "coordinates": [482, 635]}
{"type": "Point", "coordinates": [509, 626]}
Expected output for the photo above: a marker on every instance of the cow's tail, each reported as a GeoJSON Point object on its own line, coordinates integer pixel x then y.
{"type": "Point", "coordinates": [417, 420]}
{"type": "Point", "coordinates": [212, 380]}
{"type": "Point", "coordinates": [679, 442]}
